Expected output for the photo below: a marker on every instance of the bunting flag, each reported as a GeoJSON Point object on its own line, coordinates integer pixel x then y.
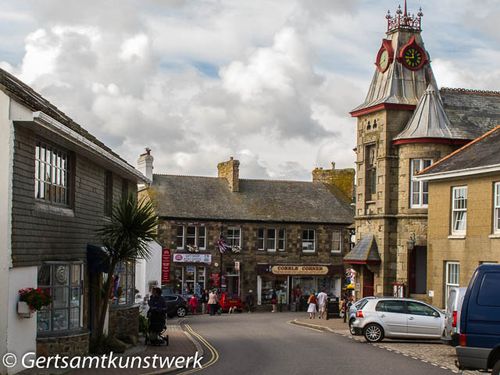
{"type": "Point", "coordinates": [222, 245]}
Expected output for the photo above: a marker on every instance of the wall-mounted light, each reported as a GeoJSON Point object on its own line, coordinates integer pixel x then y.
{"type": "Point", "coordinates": [412, 241]}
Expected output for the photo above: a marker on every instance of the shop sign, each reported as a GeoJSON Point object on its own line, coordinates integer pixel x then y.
{"type": "Point", "coordinates": [165, 266]}
{"type": "Point", "coordinates": [193, 258]}
{"type": "Point", "coordinates": [299, 270]}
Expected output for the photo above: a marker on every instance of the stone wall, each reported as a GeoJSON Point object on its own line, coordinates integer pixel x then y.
{"type": "Point", "coordinates": [71, 345]}
{"type": "Point", "coordinates": [342, 179]}
{"type": "Point", "coordinates": [124, 322]}
{"type": "Point", "coordinates": [230, 170]}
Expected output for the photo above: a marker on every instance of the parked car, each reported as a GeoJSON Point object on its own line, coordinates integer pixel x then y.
{"type": "Point", "coordinates": [479, 338]}
{"type": "Point", "coordinates": [452, 323]}
{"type": "Point", "coordinates": [398, 318]}
{"type": "Point", "coordinates": [352, 312]}
{"type": "Point", "coordinates": [176, 305]}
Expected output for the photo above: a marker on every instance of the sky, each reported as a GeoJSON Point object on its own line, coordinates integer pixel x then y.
{"type": "Point", "coordinates": [269, 82]}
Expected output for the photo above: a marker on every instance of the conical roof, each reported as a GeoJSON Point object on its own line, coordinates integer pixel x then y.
{"type": "Point", "coordinates": [430, 120]}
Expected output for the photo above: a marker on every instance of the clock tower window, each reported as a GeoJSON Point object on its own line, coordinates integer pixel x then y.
{"type": "Point", "coordinates": [370, 171]}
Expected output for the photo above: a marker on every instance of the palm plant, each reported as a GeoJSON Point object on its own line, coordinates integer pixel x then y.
{"type": "Point", "coordinates": [133, 224]}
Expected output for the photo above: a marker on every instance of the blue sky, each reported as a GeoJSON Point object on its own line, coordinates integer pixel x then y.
{"type": "Point", "coordinates": [269, 82]}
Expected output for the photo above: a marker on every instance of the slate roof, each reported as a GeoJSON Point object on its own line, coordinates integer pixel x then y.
{"type": "Point", "coordinates": [25, 95]}
{"type": "Point", "coordinates": [471, 112]}
{"type": "Point", "coordinates": [365, 251]}
{"type": "Point", "coordinates": [209, 198]}
{"type": "Point", "coordinates": [480, 153]}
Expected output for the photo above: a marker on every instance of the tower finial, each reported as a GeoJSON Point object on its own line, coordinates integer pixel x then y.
{"type": "Point", "coordinates": [406, 10]}
{"type": "Point", "coordinates": [403, 20]}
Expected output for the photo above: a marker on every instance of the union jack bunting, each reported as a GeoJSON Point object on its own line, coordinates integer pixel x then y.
{"type": "Point", "coordinates": [222, 245]}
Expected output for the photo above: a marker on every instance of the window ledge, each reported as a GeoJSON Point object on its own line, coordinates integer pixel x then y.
{"type": "Point", "coordinates": [494, 235]}
{"type": "Point", "coordinates": [456, 237]}
{"type": "Point", "coordinates": [56, 210]}
{"type": "Point", "coordinates": [336, 252]}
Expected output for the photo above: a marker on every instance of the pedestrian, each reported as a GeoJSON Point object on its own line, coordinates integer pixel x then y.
{"type": "Point", "coordinates": [193, 304]}
{"type": "Point", "coordinates": [312, 306]}
{"type": "Point", "coordinates": [249, 301]}
{"type": "Point", "coordinates": [322, 299]}
{"type": "Point", "coordinates": [204, 300]}
{"type": "Point", "coordinates": [212, 302]}
{"type": "Point", "coordinates": [274, 301]}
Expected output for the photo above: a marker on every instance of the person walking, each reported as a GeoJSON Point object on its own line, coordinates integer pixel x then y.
{"type": "Point", "coordinates": [322, 299]}
{"type": "Point", "coordinates": [274, 301]}
{"type": "Point", "coordinates": [193, 304]}
{"type": "Point", "coordinates": [312, 306]}
{"type": "Point", "coordinates": [204, 300]}
{"type": "Point", "coordinates": [212, 302]}
{"type": "Point", "coordinates": [249, 301]}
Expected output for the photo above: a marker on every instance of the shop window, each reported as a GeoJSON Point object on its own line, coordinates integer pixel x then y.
{"type": "Point", "coordinates": [51, 174]}
{"type": "Point", "coordinates": [308, 240]}
{"type": "Point", "coordinates": [234, 237]}
{"type": "Point", "coordinates": [281, 239]}
{"type": "Point", "coordinates": [124, 284]}
{"type": "Point", "coordinates": [419, 190]}
{"type": "Point", "coordinates": [191, 237]}
{"type": "Point", "coordinates": [260, 239]}
{"type": "Point", "coordinates": [459, 210]}
{"type": "Point", "coordinates": [64, 283]}
{"type": "Point", "coordinates": [337, 241]}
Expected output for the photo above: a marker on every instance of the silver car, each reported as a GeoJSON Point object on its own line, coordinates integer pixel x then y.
{"type": "Point", "coordinates": [398, 318]}
{"type": "Point", "coordinates": [453, 308]}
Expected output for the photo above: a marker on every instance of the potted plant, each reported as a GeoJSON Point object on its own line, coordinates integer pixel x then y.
{"type": "Point", "coordinates": [31, 300]}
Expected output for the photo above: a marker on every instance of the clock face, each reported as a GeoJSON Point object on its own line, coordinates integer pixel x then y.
{"type": "Point", "coordinates": [412, 57]}
{"type": "Point", "coordinates": [383, 61]}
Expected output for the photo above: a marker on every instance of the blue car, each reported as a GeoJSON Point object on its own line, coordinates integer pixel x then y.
{"type": "Point", "coordinates": [479, 337]}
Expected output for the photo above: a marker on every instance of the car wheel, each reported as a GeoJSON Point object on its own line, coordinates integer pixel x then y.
{"type": "Point", "coordinates": [181, 312]}
{"type": "Point", "coordinates": [496, 368]}
{"type": "Point", "coordinates": [373, 333]}
{"type": "Point", "coordinates": [351, 328]}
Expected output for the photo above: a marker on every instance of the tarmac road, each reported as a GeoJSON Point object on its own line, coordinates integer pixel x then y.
{"type": "Point", "coordinates": [265, 343]}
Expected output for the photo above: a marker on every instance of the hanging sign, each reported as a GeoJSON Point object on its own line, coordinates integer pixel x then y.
{"type": "Point", "coordinates": [165, 266]}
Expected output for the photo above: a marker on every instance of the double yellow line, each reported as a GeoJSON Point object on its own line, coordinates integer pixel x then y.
{"type": "Point", "coordinates": [213, 352]}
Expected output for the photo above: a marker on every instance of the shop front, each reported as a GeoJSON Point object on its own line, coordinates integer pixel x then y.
{"type": "Point", "coordinates": [294, 283]}
{"type": "Point", "coordinates": [190, 272]}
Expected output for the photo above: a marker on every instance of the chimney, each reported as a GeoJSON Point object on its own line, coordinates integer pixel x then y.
{"type": "Point", "coordinates": [145, 164]}
{"type": "Point", "coordinates": [341, 179]}
{"type": "Point", "coordinates": [230, 170]}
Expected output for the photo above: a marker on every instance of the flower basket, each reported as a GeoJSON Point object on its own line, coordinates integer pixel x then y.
{"type": "Point", "coordinates": [32, 299]}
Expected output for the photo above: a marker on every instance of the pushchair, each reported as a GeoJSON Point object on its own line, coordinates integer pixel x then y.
{"type": "Point", "coordinates": [156, 333]}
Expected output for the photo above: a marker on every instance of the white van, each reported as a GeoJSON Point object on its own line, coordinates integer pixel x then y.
{"type": "Point", "coordinates": [452, 322]}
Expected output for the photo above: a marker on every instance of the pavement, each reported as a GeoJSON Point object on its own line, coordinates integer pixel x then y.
{"type": "Point", "coordinates": [181, 343]}
{"type": "Point", "coordinates": [428, 351]}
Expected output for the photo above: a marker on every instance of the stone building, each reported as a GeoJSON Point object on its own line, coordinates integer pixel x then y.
{"type": "Point", "coordinates": [58, 184]}
{"type": "Point", "coordinates": [404, 125]}
{"type": "Point", "coordinates": [464, 214]}
{"type": "Point", "coordinates": [282, 233]}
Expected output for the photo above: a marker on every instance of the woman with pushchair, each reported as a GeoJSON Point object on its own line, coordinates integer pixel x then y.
{"type": "Point", "coordinates": [157, 319]}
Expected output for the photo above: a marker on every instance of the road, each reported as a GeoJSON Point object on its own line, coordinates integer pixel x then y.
{"type": "Point", "coordinates": [265, 343]}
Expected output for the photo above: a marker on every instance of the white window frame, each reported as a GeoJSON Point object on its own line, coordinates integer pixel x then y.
{"type": "Point", "coordinates": [52, 174]}
{"type": "Point", "coordinates": [451, 283]}
{"type": "Point", "coordinates": [422, 186]}
{"type": "Point", "coordinates": [196, 236]}
{"type": "Point", "coordinates": [304, 250]}
{"type": "Point", "coordinates": [230, 239]}
{"type": "Point", "coordinates": [340, 241]}
{"type": "Point", "coordinates": [268, 248]}
{"type": "Point", "coordinates": [261, 239]}
{"type": "Point", "coordinates": [458, 214]}
{"type": "Point", "coordinates": [183, 237]}
{"type": "Point", "coordinates": [281, 238]}
{"type": "Point", "coordinates": [496, 209]}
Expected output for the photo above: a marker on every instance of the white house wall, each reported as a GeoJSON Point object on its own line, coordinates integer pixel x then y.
{"type": "Point", "coordinates": [148, 271]}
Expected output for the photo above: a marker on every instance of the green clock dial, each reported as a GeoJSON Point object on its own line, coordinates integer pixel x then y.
{"type": "Point", "coordinates": [413, 57]}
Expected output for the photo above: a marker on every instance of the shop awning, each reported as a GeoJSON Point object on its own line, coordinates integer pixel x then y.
{"type": "Point", "coordinates": [365, 252]}
{"type": "Point", "coordinates": [97, 259]}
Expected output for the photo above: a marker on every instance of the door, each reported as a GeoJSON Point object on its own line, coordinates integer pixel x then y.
{"type": "Point", "coordinates": [417, 270]}
{"type": "Point", "coordinates": [368, 280]}
{"type": "Point", "coordinates": [392, 316]}
{"type": "Point", "coordinates": [423, 320]}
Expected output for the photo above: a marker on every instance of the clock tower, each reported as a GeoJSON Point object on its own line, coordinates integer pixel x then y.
{"type": "Point", "coordinates": [401, 129]}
